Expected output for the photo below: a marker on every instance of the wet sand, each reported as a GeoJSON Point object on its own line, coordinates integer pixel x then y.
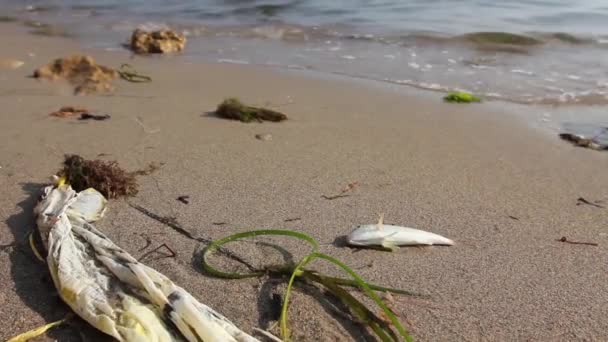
{"type": "Point", "coordinates": [477, 175]}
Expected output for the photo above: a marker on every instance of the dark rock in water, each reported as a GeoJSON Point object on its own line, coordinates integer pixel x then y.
{"type": "Point", "coordinates": [7, 19]}
{"type": "Point", "coordinates": [163, 41]}
{"type": "Point", "coordinates": [501, 42]}
{"type": "Point", "coordinates": [586, 135]}
{"type": "Point", "coordinates": [568, 38]}
{"type": "Point", "coordinates": [500, 38]}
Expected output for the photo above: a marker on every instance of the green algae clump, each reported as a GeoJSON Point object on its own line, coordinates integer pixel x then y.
{"type": "Point", "coordinates": [234, 109]}
{"type": "Point", "coordinates": [461, 97]}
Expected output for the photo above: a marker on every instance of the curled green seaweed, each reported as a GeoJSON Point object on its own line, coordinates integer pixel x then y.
{"type": "Point", "coordinates": [334, 285]}
{"type": "Point", "coordinates": [128, 73]}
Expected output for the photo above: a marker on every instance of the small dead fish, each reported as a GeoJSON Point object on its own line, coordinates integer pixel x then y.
{"type": "Point", "coordinates": [390, 236]}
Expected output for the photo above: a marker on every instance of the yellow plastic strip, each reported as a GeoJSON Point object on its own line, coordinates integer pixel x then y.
{"type": "Point", "coordinates": [33, 247]}
{"type": "Point", "coordinates": [35, 332]}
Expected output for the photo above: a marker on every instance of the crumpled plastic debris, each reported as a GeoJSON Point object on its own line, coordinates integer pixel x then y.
{"type": "Point", "coordinates": [109, 288]}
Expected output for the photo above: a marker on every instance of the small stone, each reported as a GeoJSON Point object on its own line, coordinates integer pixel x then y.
{"type": "Point", "coordinates": [10, 64]}
{"type": "Point", "coordinates": [162, 41]}
{"type": "Point", "coordinates": [264, 137]}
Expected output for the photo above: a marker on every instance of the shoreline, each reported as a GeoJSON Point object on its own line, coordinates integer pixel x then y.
{"type": "Point", "coordinates": [484, 63]}
{"type": "Point", "coordinates": [455, 170]}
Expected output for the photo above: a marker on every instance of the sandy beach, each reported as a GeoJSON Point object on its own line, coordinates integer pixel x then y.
{"type": "Point", "coordinates": [503, 191]}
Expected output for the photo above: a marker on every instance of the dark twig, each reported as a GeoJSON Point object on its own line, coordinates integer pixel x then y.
{"type": "Point", "coordinates": [172, 223]}
{"type": "Point", "coordinates": [96, 117]}
{"type": "Point", "coordinates": [513, 218]}
{"type": "Point", "coordinates": [218, 223]}
{"type": "Point", "coordinates": [581, 200]}
{"type": "Point", "coordinates": [342, 193]}
{"type": "Point", "coordinates": [173, 254]}
{"type": "Point", "coordinates": [293, 219]}
{"type": "Point", "coordinates": [333, 197]}
{"type": "Point", "coordinates": [564, 239]}
{"type": "Point", "coordinates": [148, 242]}
{"type": "Point", "coordinates": [184, 199]}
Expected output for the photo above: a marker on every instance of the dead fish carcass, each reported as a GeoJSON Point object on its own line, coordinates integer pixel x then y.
{"type": "Point", "coordinates": [391, 237]}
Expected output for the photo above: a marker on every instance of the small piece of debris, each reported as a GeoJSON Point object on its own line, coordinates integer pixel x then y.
{"type": "Point", "coordinates": [184, 199]}
{"type": "Point", "coordinates": [234, 109]}
{"type": "Point", "coordinates": [151, 168]}
{"type": "Point", "coordinates": [513, 218]}
{"type": "Point", "coordinates": [564, 239]}
{"type": "Point", "coordinates": [11, 64]}
{"type": "Point", "coordinates": [333, 197]}
{"type": "Point", "coordinates": [96, 117]}
{"type": "Point", "coordinates": [580, 201]}
{"type": "Point", "coordinates": [218, 223]}
{"type": "Point", "coordinates": [162, 41]}
{"type": "Point", "coordinates": [292, 219]}
{"type": "Point", "coordinates": [348, 188]}
{"type": "Point", "coordinates": [69, 111]}
{"type": "Point", "coordinates": [264, 137]}
{"type": "Point", "coordinates": [148, 242]}
{"type": "Point", "coordinates": [388, 297]}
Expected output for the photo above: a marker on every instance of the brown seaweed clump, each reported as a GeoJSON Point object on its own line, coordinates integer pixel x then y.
{"type": "Point", "coordinates": [81, 71]}
{"type": "Point", "coordinates": [163, 41]}
{"type": "Point", "coordinates": [234, 109]}
{"type": "Point", "coordinates": [104, 176]}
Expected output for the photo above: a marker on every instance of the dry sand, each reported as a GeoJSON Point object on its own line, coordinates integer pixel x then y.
{"type": "Point", "coordinates": [456, 170]}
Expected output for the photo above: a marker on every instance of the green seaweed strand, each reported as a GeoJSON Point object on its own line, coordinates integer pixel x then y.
{"type": "Point", "coordinates": [379, 327]}
{"type": "Point", "coordinates": [214, 245]}
{"type": "Point", "coordinates": [128, 73]}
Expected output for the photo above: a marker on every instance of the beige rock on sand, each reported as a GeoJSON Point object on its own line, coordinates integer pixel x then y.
{"type": "Point", "coordinates": [81, 71]}
{"type": "Point", "coordinates": [162, 41]}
